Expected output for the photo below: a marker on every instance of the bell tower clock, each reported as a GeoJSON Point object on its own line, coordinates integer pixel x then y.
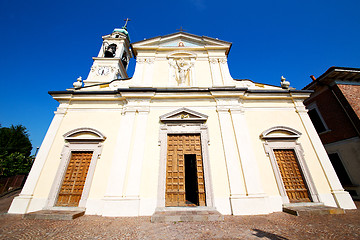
{"type": "Point", "coordinates": [113, 58]}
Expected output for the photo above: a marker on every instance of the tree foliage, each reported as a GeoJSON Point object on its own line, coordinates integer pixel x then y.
{"type": "Point", "coordinates": [15, 150]}
{"type": "Point", "coordinates": [14, 164]}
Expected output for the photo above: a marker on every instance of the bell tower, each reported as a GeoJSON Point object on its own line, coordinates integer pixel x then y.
{"type": "Point", "coordinates": [113, 58]}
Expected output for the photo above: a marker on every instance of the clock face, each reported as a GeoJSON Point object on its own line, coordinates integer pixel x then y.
{"type": "Point", "coordinates": [103, 71]}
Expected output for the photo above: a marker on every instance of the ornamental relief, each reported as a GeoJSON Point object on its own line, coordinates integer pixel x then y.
{"type": "Point", "coordinates": [218, 60]}
{"type": "Point", "coordinates": [145, 60]}
{"type": "Point", "coordinates": [181, 70]}
{"type": "Point", "coordinates": [103, 70]}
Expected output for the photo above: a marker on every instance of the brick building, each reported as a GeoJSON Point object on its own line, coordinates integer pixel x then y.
{"type": "Point", "coordinates": [334, 108]}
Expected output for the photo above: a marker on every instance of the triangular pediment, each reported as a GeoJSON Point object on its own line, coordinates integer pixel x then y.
{"type": "Point", "coordinates": [181, 40]}
{"type": "Point", "coordinates": [183, 115]}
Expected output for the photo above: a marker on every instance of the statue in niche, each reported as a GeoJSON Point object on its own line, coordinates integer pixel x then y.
{"type": "Point", "coordinates": [183, 69]}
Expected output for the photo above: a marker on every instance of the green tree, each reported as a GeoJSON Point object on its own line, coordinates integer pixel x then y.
{"type": "Point", "coordinates": [14, 164]}
{"type": "Point", "coordinates": [15, 139]}
{"type": "Point", "coordinates": [15, 150]}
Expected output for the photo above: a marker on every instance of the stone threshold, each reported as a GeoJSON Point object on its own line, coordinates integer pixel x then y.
{"type": "Point", "coordinates": [186, 214]}
{"type": "Point", "coordinates": [306, 209]}
{"type": "Point", "coordinates": [54, 214]}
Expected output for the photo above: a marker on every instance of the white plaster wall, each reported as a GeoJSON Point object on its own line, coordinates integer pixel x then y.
{"type": "Point", "coordinates": [289, 118]}
{"type": "Point", "coordinates": [104, 121]}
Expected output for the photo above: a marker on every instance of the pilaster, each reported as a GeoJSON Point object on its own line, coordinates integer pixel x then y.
{"type": "Point", "coordinates": [225, 73]}
{"type": "Point", "coordinates": [133, 187]}
{"type": "Point", "coordinates": [342, 198]}
{"type": "Point", "coordinates": [119, 163]}
{"type": "Point", "coordinates": [247, 157]}
{"type": "Point", "coordinates": [215, 72]}
{"type": "Point", "coordinates": [236, 181]}
{"type": "Point", "coordinates": [123, 192]}
{"type": "Point", "coordinates": [21, 204]}
{"type": "Point", "coordinates": [138, 73]}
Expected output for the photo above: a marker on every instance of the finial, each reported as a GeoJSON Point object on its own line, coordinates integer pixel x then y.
{"type": "Point", "coordinates": [284, 84]}
{"type": "Point", "coordinates": [78, 83]}
{"type": "Point", "coordinates": [126, 22]}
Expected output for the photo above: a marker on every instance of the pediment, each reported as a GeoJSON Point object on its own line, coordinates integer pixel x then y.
{"type": "Point", "coordinates": [183, 115]}
{"type": "Point", "coordinates": [280, 132]}
{"type": "Point", "coordinates": [181, 40]}
{"type": "Point", "coordinates": [84, 134]}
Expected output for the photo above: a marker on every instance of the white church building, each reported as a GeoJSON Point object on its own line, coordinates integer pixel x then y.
{"type": "Point", "coordinates": [181, 133]}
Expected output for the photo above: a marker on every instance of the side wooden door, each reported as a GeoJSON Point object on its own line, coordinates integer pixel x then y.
{"type": "Point", "coordinates": [74, 179]}
{"type": "Point", "coordinates": [291, 174]}
{"type": "Point", "coordinates": [177, 147]}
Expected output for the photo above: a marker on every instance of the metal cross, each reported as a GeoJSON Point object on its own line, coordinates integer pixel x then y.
{"type": "Point", "coordinates": [126, 22]}
{"type": "Point", "coordinates": [181, 29]}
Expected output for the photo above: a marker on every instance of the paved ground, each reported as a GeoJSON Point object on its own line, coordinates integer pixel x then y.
{"type": "Point", "coordinates": [273, 226]}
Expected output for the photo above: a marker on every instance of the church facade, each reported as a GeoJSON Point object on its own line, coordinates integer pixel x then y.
{"type": "Point", "coordinates": [181, 133]}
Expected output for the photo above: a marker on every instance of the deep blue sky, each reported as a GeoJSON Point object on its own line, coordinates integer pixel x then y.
{"type": "Point", "coordinates": [46, 45]}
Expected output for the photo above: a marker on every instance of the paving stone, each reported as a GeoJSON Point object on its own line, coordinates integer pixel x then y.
{"type": "Point", "coordinates": [271, 226]}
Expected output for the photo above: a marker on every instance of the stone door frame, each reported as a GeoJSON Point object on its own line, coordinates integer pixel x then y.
{"type": "Point", "coordinates": [75, 142]}
{"type": "Point", "coordinates": [189, 125]}
{"type": "Point", "coordinates": [287, 140]}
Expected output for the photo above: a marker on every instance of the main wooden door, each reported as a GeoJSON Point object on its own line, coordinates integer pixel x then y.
{"type": "Point", "coordinates": [74, 179]}
{"type": "Point", "coordinates": [292, 178]}
{"type": "Point", "coordinates": [182, 148]}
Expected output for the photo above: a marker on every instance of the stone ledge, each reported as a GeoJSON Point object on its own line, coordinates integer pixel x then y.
{"type": "Point", "coordinates": [186, 216]}
{"type": "Point", "coordinates": [54, 215]}
{"type": "Point", "coordinates": [312, 210]}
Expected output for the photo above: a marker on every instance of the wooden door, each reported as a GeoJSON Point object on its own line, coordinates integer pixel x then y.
{"type": "Point", "coordinates": [178, 146]}
{"type": "Point", "coordinates": [292, 178]}
{"type": "Point", "coordinates": [74, 179]}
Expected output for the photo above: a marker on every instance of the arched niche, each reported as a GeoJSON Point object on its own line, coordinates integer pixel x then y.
{"type": "Point", "coordinates": [181, 68]}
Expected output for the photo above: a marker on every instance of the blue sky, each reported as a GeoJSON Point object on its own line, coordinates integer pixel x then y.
{"type": "Point", "coordinates": [46, 45]}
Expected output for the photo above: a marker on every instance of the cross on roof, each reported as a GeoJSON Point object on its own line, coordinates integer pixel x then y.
{"type": "Point", "coordinates": [126, 22]}
{"type": "Point", "coordinates": [181, 29]}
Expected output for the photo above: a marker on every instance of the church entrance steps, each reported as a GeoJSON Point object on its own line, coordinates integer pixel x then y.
{"type": "Point", "coordinates": [54, 214]}
{"type": "Point", "coordinates": [186, 216]}
{"type": "Point", "coordinates": [306, 209]}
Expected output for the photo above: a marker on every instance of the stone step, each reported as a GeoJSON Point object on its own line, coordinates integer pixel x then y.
{"type": "Point", "coordinates": [312, 210]}
{"type": "Point", "coordinates": [54, 214]}
{"type": "Point", "coordinates": [186, 216]}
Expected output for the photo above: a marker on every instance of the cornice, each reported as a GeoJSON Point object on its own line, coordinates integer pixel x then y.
{"type": "Point", "coordinates": [178, 93]}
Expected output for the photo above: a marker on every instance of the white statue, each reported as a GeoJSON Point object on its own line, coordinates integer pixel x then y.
{"type": "Point", "coordinates": [284, 84]}
{"type": "Point", "coordinates": [183, 68]}
{"type": "Point", "coordinates": [78, 83]}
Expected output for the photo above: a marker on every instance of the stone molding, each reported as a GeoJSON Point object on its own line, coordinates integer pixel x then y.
{"type": "Point", "coordinates": [184, 127]}
{"type": "Point", "coordinates": [283, 141]}
{"type": "Point", "coordinates": [80, 144]}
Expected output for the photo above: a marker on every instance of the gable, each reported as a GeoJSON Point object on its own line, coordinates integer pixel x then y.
{"type": "Point", "coordinates": [187, 39]}
{"type": "Point", "coordinates": [183, 115]}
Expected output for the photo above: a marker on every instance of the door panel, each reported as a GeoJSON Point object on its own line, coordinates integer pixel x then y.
{"type": "Point", "coordinates": [74, 179]}
{"type": "Point", "coordinates": [292, 178]}
{"type": "Point", "coordinates": [178, 146]}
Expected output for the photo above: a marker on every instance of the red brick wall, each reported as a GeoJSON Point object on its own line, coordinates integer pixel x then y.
{"type": "Point", "coordinates": [352, 95]}
{"type": "Point", "coordinates": [334, 117]}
